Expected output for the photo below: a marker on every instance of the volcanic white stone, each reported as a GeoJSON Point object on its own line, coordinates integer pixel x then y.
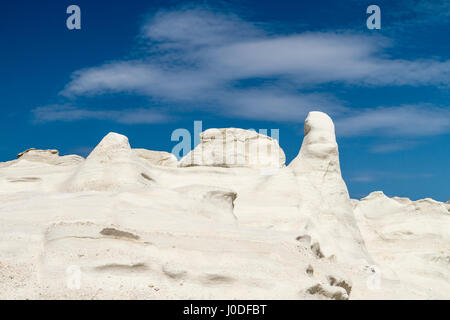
{"type": "Point", "coordinates": [234, 147]}
{"type": "Point", "coordinates": [48, 156]}
{"type": "Point", "coordinates": [111, 166]}
{"type": "Point", "coordinates": [326, 205]}
{"type": "Point", "coordinates": [409, 240]}
{"type": "Point", "coordinates": [132, 225]}
{"type": "Point", "coordinates": [158, 158]}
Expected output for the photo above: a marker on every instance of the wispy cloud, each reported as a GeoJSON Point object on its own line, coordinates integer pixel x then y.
{"type": "Point", "coordinates": [370, 176]}
{"type": "Point", "coordinates": [70, 113]}
{"type": "Point", "coordinates": [197, 58]}
{"type": "Point", "coordinates": [414, 120]}
{"type": "Point", "coordinates": [389, 147]}
{"type": "Point", "coordinates": [363, 177]}
{"type": "Point", "coordinates": [196, 54]}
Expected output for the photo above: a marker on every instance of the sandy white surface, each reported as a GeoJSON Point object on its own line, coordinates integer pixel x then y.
{"type": "Point", "coordinates": [135, 224]}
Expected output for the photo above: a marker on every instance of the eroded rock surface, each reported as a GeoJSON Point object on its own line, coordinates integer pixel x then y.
{"type": "Point", "coordinates": [234, 147]}
{"type": "Point", "coordinates": [136, 224]}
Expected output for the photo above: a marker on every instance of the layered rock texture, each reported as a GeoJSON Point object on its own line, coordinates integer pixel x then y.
{"type": "Point", "coordinates": [111, 166]}
{"type": "Point", "coordinates": [233, 147]}
{"type": "Point", "coordinates": [230, 220]}
{"type": "Point", "coordinates": [326, 208]}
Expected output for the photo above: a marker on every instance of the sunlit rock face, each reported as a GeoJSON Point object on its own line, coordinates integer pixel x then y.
{"type": "Point", "coordinates": [233, 147]}
{"type": "Point", "coordinates": [111, 166]}
{"type": "Point", "coordinates": [409, 239]}
{"type": "Point", "coordinates": [157, 158]}
{"type": "Point", "coordinates": [48, 156]}
{"type": "Point", "coordinates": [326, 205]}
{"type": "Point", "coordinates": [228, 221]}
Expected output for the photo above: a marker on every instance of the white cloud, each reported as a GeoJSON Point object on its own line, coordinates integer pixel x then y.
{"type": "Point", "coordinates": [196, 27]}
{"type": "Point", "coordinates": [277, 105]}
{"type": "Point", "coordinates": [114, 77]}
{"type": "Point", "coordinates": [69, 113]}
{"type": "Point", "coordinates": [393, 146]}
{"type": "Point", "coordinates": [407, 120]}
{"type": "Point", "coordinates": [363, 177]}
{"type": "Point", "coordinates": [194, 59]}
{"type": "Point", "coordinates": [374, 175]}
{"type": "Point", "coordinates": [191, 52]}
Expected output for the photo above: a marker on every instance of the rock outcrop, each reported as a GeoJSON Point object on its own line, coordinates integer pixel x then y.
{"type": "Point", "coordinates": [135, 223]}
{"type": "Point", "coordinates": [325, 203]}
{"type": "Point", "coordinates": [37, 170]}
{"type": "Point", "coordinates": [49, 157]}
{"type": "Point", "coordinates": [309, 197]}
{"type": "Point", "coordinates": [408, 239]}
{"type": "Point", "coordinates": [111, 166]}
{"type": "Point", "coordinates": [157, 158]}
{"type": "Point", "coordinates": [404, 219]}
{"type": "Point", "coordinates": [233, 147]}
{"type": "Point", "coordinates": [212, 202]}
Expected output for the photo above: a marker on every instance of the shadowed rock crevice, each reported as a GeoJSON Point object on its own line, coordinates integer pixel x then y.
{"type": "Point", "coordinates": [122, 267]}
{"type": "Point", "coordinates": [145, 176]}
{"type": "Point", "coordinates": [214, 279]}
{"type": "Point", "coordinates": [335, 293]}
{"type": "Point", "coordinates": [337, 282]}
{"type": "Point", "coordinates": [118, 233]}
{"type": "Point", "coordinates": [24, 179]}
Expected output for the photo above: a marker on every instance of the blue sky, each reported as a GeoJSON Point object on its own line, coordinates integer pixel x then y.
{"type": "Point", "coordinates": [146, 68]}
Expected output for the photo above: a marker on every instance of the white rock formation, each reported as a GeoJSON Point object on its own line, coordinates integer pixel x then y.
{"type": "Point", "coordinates": [48, 156]}
{"type": "Point", "coordinates": [129, 223]}
{"type": "Point", "coordinates": [37, 170]}
{"type": "Point", "coordinates": [157, 158]}
{"type": "Point", "coordinates": [409, 241]}
{"type": "Point", "coordinates": [111, 166]}
{"type": "Point", "coordinates": [212, 202]}
{"type": "Point", "coordinates": [233, 147]}
{"type": "Point", "coordinates": [326, 205]}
